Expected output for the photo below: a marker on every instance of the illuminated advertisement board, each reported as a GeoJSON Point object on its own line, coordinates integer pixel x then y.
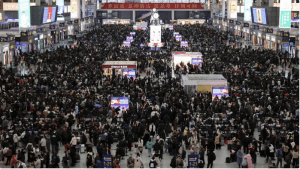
{"type": "Point", "coordinates": [121, 102]}
{"type": "Point", "coordinates": [219, 91]}
{"type": "Point", "coordinates": [24, 14]}
{"type": "Point", "coordinates": [285, 14]}
{"type": "Point", "coordinates": [233, 9]}
{"type": "Point", "coordinates": [75, 9]}
{"type": "Point", "coordinates": [247, 10]}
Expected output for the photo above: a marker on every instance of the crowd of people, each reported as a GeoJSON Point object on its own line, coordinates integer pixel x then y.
{"type": "Point", "coordinates": [54, 104]}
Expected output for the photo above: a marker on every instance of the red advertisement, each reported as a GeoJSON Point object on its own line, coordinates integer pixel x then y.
{"type": "Point", "coordinates": [49, 15]}
{"type": "Point", "coordinates": [152, 5]}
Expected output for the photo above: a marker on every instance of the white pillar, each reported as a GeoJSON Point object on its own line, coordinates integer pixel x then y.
{"type": "Point", "coordinates": [38, 3]}
{"type": "Point", "coordinates": [83, 8]}
{"type": "Point", "coordinates": [271, 3]}
{"type": "Point", "coordinates": [258, 2]}
{"type": "Point", "coordinates": [223, 8]}
{"type": "Point", "coordinates": [228, 9]}
{"type": "Point", "coordinates": [173, 15]}
{"type": "Point", "coordinates": [133, 16]}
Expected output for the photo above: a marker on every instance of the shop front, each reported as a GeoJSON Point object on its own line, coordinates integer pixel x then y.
{"type": "Point", "coordinates": [82, 25]}
{"type": "Point", "coordinates": [220, 23]}
{"type": "Point", "coordinates": [238, 28]}
{"type": "Point", "coordinates": [260, 38]}
{"type": "Point", "coordinates": [114, 68]}
{"type": "Point", "coordinates": [190, 21]}
{"type": "Point", "coordinates": [7, 45]}
{"type": "Point", "coordinates": [254, 34]}
{"type": "Point", "coordinates": [116, 21]}
{"type": "Point", "coordinates": [70, 28]}
{"type": "Point", "coordinates": [87, 25]}
{"type": "Point", "coordinates": [225, 25]}
{"type": "Point", "coordinates": [36, 43]}
{"type": "Point", "coordinates": [62, 31]}
{"type": "Point", "coordinates": [267, 42]}
{"type": "Point", "coordinates": [76, 26]}
{"type": "Point", "coordinates": [41, 42]}
{"type": "Point", "coordinates": [283, 41]}
{"type": "Point", "coordinates": [25, 41]}
{"type": "Point", "coordinates": [91, 21]}
{"type": "Point", "coordinates": [296, 48]}
{"type": "Point", "coordinates": [274, 43]}
{"type": "Point", "coordinates": [246, 32]}
{"type": "Point", "coordinates": [215, 21]}
{"type": "Point", "coordinates": [54, 30]}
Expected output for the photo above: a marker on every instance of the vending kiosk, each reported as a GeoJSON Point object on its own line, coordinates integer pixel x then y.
{"type": "Point", "coordinates": [123, 68]}
{"type": "Point", "coordinates": [7, 51]}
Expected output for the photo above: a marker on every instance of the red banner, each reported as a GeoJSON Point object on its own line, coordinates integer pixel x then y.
{"type": "Point", "coordinates": [152, 5]}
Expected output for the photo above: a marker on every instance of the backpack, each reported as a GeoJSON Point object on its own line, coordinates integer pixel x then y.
{"type": "Point", "coordinates": [153, 164]}
{"type": "Point", "coordinates": [57, 159]}
{"type": "Point", "coordinates": [29, 148]}
{"type": "Point", "coordinates": [279, 153]}
{"type": "Point", "coordinates": [173, 163]}
{"type": "Point", "coordinates": [214, 156]}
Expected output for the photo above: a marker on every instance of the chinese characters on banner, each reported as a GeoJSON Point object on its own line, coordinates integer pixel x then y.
{"type": "Point", "coordinates": [285, 14]}
{"type": "Point", "coordinates": [152, 5]}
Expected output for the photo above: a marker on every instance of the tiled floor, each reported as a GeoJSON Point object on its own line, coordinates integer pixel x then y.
{"type": "Point", "coordinates": [219, 163]}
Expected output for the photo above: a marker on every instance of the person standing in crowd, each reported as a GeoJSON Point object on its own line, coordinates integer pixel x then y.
{"type": "Point", "coordinates": [130, 161]}
{"type": "Point", "coordinates": [138, 161]}
{"type": "Point", "coordinates": [211, 157]}
{"type": "Point", "coordinates": [239, 157]}
{"type": "Point", "coordinates": [149, 146]}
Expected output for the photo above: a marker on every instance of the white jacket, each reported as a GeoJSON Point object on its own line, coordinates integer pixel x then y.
{"type": "Point", "coordinates": [73, 141]}
{"type": "Point", "coordinates": [152, 128]}
{"type": "Point", "coordinates": [43, 142]}
{"type": "Point", "coordinates": [16, 138]}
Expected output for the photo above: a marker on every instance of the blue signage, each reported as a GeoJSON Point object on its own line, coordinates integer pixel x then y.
{"type": "Point", "coordinates": [69, 22]}
{"type": "Point", "coordinates": [193, 161]}
{"type": "Point", "coordinates": [107, 161]}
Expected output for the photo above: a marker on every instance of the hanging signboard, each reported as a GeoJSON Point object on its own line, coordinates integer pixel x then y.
{"type": "Point", "coordinates": [285, 14]}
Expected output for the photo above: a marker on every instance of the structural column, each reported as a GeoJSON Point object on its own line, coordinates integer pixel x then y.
{"type": "Point", "coordinates": [271, 3]}
{"type": "Point", "coordinates": [173, 15]}
{"type": "Point", "coordinates": [258, 2]}
{"type": "Point", "coordinates": [133, 15]}
{"type": "Point", "coordinates": [223, 8]}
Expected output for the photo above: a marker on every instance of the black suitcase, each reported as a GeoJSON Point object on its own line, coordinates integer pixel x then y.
{"type": "Point", "coordinates": [228, 160]}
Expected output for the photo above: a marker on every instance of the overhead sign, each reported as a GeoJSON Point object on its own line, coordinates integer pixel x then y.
{"type": "Point", "coordinates": [152, 5]}
{"type": "Point", "coordinates": [107, 161]}
{"type": "Point", "coordinates": [10, 6]}
{"type": "Point", "coordinates": [285, 14]}
{"type": "Point", "coordinates": [76, 21]}
{"type": "Point", "coordinates": [193, 161]}
{"type": "Point", "coordinates": [3, 39]}
{"type": "Point", "coordinates": [24, 14]}
{"type": "Point", "coordinates": [69, 22]}
{"type": "Point", "coordinates": [238, 23]}
{"type": "Point", "coordinates": [247, 10]}
{"type": "Point", "coordinates": [52, 26]}
{"type": "Point", "coordinates": [246, 24]}
{"type": "Point", "coordinates": [24, 34]}
{"type": "Point", "coordinates": [62, 24]}
{"type": "Point", "coordinates": [39, 30]}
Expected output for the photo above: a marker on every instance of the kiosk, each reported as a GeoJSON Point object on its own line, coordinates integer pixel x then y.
{"type": "Point", "coordinates": [7, 45]}
{"type": "Point", "coordinates": [274, 42]}
{"type": "Point", "coordinates": [187, 57]}
{"type": "Point", "coordinates": [283, 41]}
{"type": "Point", "coordinates": [116, 21]}
{"type": "Point", "coordinates": [190, 21]}
{"type": "Point", "coordinates": [127, 68]}
{"type": "Point", "coordinates": [202, 82]}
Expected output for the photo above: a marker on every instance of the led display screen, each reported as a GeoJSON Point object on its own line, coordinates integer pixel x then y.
{"type": "Point", "coordinates": [121, 102]}
{"type": "Point", "coordinates": [49, 14]}
{"type": "Point", "coordinates": [220, 91]}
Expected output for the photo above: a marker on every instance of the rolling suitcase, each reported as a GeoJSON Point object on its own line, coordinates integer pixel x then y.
{"type": "Point", "coordinates": [82, 148]}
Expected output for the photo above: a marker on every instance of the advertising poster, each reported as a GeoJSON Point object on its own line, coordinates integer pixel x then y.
{"type": "Point", "coordinates": [184, 44]}
{"type": "Point", "coordinates": [178, 38]}
{"type": "Point", "coordinates": [219, 91]}
{"type": "Point", "coordinates": [132, 33]}
{"type": "Point", "coordinates": [60, 4]}
{"type": "Point", "coordinates": [295, 16]}
{"type": "Point", "coordinates": [129, 38]}
{"type": "Point", "coordinates": [49, 14]}
{"type": "Point", "coordinates": [197, 61]}
{"type": "Point", "coordinates": [259, 15]}
{"type": "Point", "coordinates": [285, 14]}
{"type": "Point", "coordinates": [24, 14]}
{"type": "Point", "coordinates": [247, 10]}
{"type": "Point", "coordinates": [107, 161]}
{"type": "Point", "coordinates": [75, 9]}
{"type": "Point", "coordinates": [155, 34]}
{"type": "Point", "coordinates": [129, 73]}
{"type": "Point", "coordinates": [98, 5]}
{"type": "Point", "coordinates": [193, 161]}
{"type": "Point", "coordinates": [121, 102]}
{"type": "Point", "coordinates": [126, 44]}
{"type": "Point", "coordinates": [233, 9]}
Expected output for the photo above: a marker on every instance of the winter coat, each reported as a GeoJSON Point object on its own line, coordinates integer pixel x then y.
{"type": "Point", "coordinates": [16, 138]}
{"type": "Point", "coordinates": [130, 162]}
{"type": "Point", "coordinates": [217, 140]}
{"type": "Point", "coordinates": [149, 144]}
{"type": "Point", "coordinates": [249, 160]}
{"type": "Point", "coordinates": [239, 157]}
{"type": "Point", "coordinates": [138, 162]}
